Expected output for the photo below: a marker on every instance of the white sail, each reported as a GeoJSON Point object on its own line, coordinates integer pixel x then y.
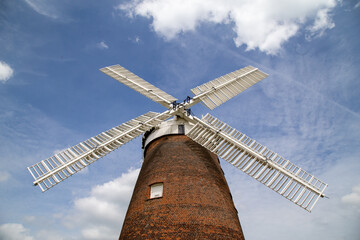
{"type": "Point", "coordinates": [51, 171]}
{"type": "Point", "coordinates": [258, 161]}
{"type": "Point", "coordinates": [222, 89]}
{"type": "Point", "coordinates": [138, 84]}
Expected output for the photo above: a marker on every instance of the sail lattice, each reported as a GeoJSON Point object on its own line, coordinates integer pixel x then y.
{"type": "Point", "coordinates": [256, 160]}
{"type": "Point", "coordinates": [222, 89]}
{"type": "Point", "coordinates": [51, 171]}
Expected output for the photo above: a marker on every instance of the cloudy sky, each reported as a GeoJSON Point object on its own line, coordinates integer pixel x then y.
{"type": "Point", "coordinates": [53, 96]}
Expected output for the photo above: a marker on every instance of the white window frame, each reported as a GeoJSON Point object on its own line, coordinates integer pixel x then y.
{"type": "Point", "coordinates": [156, 190]}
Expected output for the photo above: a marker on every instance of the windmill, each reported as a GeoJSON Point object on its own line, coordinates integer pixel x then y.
{"type": "Point", "coordinates": [181, 184]}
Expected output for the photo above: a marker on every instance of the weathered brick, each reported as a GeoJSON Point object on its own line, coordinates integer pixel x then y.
{"type": "Point", "coordinates": [196, 202]}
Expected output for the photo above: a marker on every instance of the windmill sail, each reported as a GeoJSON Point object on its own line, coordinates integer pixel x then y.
{"type": "Point", "coordinates": [256, 160]}
{"type": "Point", "coordinates": [138, 84]}
{"type": "Point", "coordinates": [222, 89]}
{"type": "Point", "coordinates": [57, 168]}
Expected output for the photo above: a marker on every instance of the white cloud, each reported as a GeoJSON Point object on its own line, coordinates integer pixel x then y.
{"type": "Point", "coordinates": [357, 5]}
{"type": "Point", "coordinates": [322, 23]}
{"type": "Point", "coordinates": [47, 234]}
{"type": "Point", "coordinates": [353, 199]}
{"type": "Point", "coordinates": [102, 45]}
{"type": "Point", "coordinates": [43, 7]}
{"type": "Point", "coordinates": [261, 24]}
{"type": "Point", "coordinates": [100, 232]}
{"type": "Point", "coordinates": [4, 176]}
{"type": "Point", "coordinates": [6, 72]}
{"type": "Point", "coordinates": [14, 231]}
{"type": "Point", "coordinates": [29, 219]}
{"type": "Point", "coordinates": [100, 215]}
{"type": "Point", "coordinates": [135, 39]}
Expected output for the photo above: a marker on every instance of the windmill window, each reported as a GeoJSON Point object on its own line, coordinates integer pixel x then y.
{"type": "Point", "coordinates": [181, 129]}
{"type": "Point", "coordinates": [156, 190]}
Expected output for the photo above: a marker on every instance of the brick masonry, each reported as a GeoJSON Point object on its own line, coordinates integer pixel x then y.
{"type": "Point", "coordinates": [196, 201]}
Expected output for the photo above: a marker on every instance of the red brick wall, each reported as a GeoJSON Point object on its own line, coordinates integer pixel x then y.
{"type": "Point", "coordinates": [196, 202]}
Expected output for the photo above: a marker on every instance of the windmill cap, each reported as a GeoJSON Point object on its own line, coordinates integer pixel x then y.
{"type": "Point", "coordinates": [174, 126]}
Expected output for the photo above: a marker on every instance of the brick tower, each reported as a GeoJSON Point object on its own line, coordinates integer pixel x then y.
{"type": "Point", "coordinates": [181, 191]}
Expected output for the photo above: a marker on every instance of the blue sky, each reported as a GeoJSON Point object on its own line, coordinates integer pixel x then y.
{"type": "Point", "coordinates": [53, 96]}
